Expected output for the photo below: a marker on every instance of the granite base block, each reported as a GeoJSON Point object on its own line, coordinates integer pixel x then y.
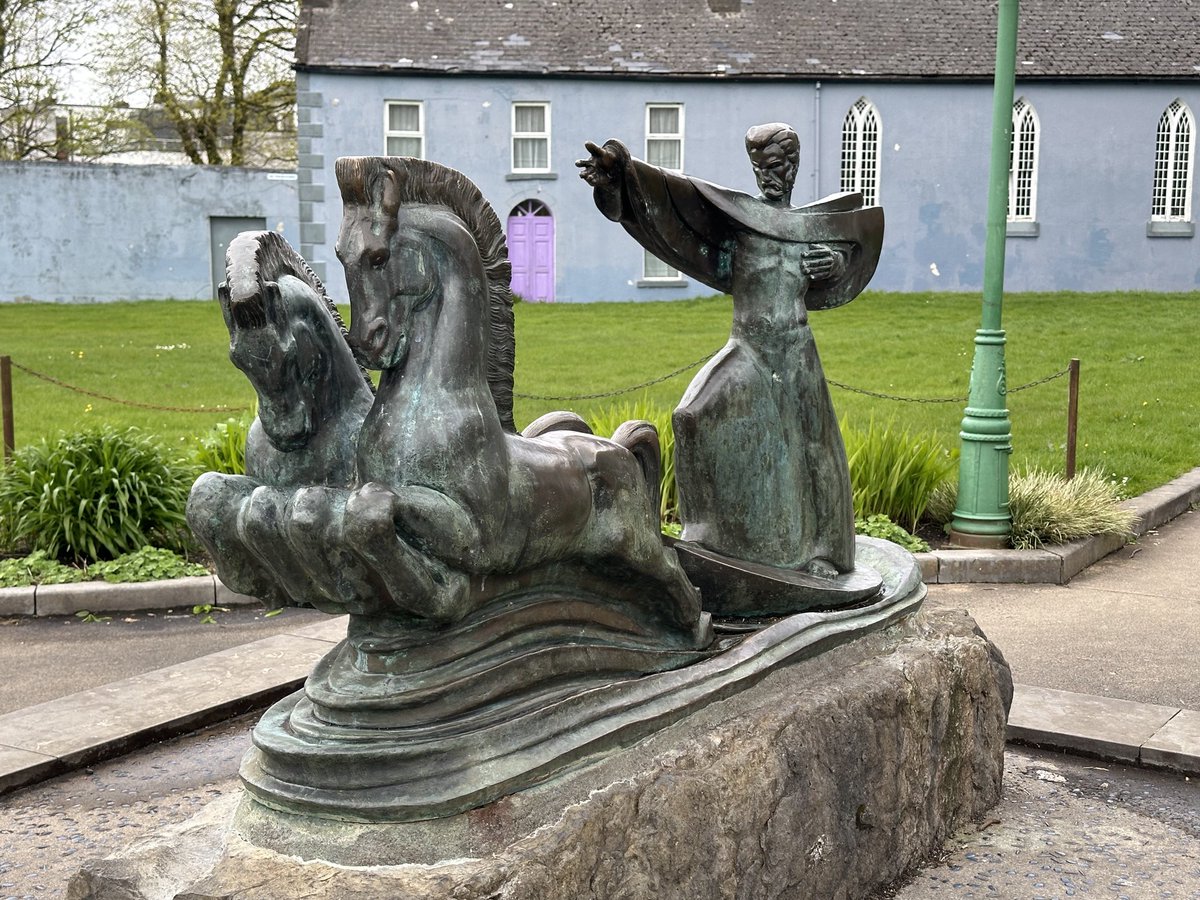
{"type": "Point", "coordinates": [828, 778]}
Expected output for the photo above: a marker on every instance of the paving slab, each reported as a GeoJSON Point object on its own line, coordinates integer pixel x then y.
{"type": "Point", "coordinates": [1176, 745]}
{"type": "Point", "coordinates": [103, 722]}
{"type": "Point", "coordinates": [1096, 726]}
{"type": "Point", "coordinates": [19, 766]}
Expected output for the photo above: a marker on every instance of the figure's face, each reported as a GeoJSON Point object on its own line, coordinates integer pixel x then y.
{"type": "Point", "coordinates": [774, 171]}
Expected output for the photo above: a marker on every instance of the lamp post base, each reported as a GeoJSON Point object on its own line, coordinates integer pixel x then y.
{"type": "Point", "coordinates": [978, 541]}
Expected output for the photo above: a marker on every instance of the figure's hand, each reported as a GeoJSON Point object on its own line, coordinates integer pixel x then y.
{"type": "Point", "coordinates": [821, 263]}
{"type": "Point", "coordinates": [601, 168]}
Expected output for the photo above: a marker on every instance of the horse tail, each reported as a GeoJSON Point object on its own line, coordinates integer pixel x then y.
{"type": "Point", "coordinates": [640, 438]}
{"type": "Point", "coordinates": [560, 420]}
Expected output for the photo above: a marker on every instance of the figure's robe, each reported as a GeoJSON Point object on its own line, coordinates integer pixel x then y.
{"type": "Point", "coordinates": [759, 462]}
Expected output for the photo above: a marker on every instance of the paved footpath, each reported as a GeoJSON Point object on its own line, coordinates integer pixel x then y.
{"type": "Point", "coordinates": [1109, 663]}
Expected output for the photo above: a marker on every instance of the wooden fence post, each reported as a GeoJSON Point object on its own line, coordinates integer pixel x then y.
{"type": "Point", "coordinates": [1072, 415]}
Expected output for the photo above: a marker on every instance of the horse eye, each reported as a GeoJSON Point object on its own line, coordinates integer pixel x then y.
{"type": "Point", "coordinates": [378, 258]}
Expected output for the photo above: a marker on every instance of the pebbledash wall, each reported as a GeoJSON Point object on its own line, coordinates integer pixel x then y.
{"type": "Point", "coordinates": [78, 232]}
{"type": "Point", "coordinates": [1094, 184]}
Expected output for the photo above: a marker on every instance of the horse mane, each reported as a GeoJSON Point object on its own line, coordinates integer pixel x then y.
{"type": "Point", "coordinates": [361, 180]}
{"type": "Point", "coordinates": [254, 258]}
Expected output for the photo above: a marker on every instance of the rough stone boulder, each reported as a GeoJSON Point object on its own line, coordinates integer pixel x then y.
{"type": "Point", "coordinates": [827, 779]}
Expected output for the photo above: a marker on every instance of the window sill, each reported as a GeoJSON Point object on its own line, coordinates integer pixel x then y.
{"type": "Point", "coordinates": [531, 176]}
{"type": "Point", "coordinates": [662, 282]}
{"type": "Point", "coordinates": [1022, 229]}
{"type": "Point", "coordinates": [1170, 229]}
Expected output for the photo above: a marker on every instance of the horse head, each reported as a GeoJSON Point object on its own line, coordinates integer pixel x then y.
{"type": "Point", "coordinates": [281, 334]}
{"type": "Point", "coordinates": [417, 236]}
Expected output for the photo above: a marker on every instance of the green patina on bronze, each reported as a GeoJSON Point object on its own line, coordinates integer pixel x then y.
{"type": "Point", "coordinates": [760, 465]}
{"type": "Point", "coordinates": [513, 608]}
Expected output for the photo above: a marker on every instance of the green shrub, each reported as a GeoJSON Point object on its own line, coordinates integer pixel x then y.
{"type": "Point", "coordinates": [146, 564]}
{"type": "Point", "coordinates": [223, 448]}
{"type": "Point", "coordinates": [605, 421]}
{"type": "Point", "coordinates": [95, 495]}
{"type": "Point", "coordinates": [37, 568]}
{"type": "Point", "coordinates": [893, 472]}
{"type": "Point", "coordinates": [880, 526]}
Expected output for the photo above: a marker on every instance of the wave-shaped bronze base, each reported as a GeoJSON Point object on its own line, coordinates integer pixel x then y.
{"type": "Point", "coordinates": [436, 731]}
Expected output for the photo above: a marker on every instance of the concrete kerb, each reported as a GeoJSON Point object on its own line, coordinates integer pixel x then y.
{"type": "Point", "coordinates": [100, 596]}
{"type": "Point", "coordinates": [1059, 563]}
{"type": "Point", "coordinates": [45, 740]}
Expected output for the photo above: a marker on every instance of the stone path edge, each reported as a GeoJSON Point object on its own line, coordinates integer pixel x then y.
{"type": "Point", "coordinates": [1114, 730]}
{"type": "Point", "coordinates": [1059, 563]}
{"type": "Point", "coordinates": [48, 739]}
{"type": "Point", "coordinates": [1105, 728]}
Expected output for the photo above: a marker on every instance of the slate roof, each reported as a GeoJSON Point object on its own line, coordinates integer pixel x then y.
{"type": "Point", "coordinates": [855, 39]}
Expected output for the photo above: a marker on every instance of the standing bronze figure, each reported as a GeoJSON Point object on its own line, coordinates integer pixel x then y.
{"type": "Point", "coordinates": [760, 465]}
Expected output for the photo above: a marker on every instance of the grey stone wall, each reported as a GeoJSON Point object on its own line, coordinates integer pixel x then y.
{"type": "Point", "coordinates": [81, 233]}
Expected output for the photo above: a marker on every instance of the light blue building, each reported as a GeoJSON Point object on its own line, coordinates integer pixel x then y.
{"type": "Point", "coordinates": [890, 99]}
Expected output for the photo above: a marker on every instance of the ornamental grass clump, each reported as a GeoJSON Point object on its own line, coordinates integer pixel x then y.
{"type": "Point", "coordinates": [223, 448]}
{"type": "Point", "coordinates": [1048, 509]}
{"type": "Point", "coordinates": [893, 472]}
{"type": "Point", "coordinates": [94, 495]}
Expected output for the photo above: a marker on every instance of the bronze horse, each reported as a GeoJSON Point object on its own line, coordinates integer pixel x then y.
{"type": "Point", "coordinates": [438, 456]}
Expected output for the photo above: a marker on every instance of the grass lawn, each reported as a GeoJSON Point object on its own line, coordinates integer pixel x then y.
{"type": "Point", "coordinates": [1138, 379]}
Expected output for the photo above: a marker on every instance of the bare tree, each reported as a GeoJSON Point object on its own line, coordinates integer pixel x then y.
{"type": "Point", "coordinates": [220, 70]}
{"type": "Point", "coordinates": [35, 38]}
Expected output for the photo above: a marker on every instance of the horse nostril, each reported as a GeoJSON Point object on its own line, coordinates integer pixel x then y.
{"type": "Point", "coordinates": [376, 333]}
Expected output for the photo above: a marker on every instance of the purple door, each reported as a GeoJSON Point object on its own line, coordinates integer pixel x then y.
{"type": "Point", "coordinates": [531, 251]}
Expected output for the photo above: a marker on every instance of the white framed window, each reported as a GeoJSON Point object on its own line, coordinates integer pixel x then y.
{"type": "Point", "coordinates": [654, 269]}
{"type": "Point", "coordinates": [1174, 164]}
{"type": "Point", "coordinates": [862, 142]}
{"type": "Point", "coordinates": [531, 137]}
{"type": "Point", "coordinates": [404, 128]}
{"type": "Point", "coordinates": [1023, 163]}
{"type": "Point", "coordinates": [664, 135]}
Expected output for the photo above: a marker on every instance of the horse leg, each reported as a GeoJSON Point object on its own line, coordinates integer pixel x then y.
{"type": "Point", "coordinates": [212, 512]}
{"type": "Point", "coordinates": [631, 531]}
{"type": "Point", "coordinates": [261, 527]}
{"type": "Point", "coordinates": [314, 521]}
{"type": "Point", "coordinates": [418, 583]}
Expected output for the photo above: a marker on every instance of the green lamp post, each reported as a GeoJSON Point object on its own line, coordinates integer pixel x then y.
{"type": "Point", "coordinates": [981, 516]}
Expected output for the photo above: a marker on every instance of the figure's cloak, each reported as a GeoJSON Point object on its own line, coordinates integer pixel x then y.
{"type": "Point", "coordinates": [692, 226]}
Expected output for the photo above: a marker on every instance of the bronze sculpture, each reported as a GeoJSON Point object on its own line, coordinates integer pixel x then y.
{"type": "Point", "coordinates": [759, 412]}
{"type": "Point", "coordinates": [513, 607]}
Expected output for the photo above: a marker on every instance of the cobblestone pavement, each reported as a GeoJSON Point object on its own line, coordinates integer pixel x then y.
{"type": "Point", "coordinates": [1070, 827]}
{"type": "Point", "coordinates": [1067, 827]}
{"type": "Point", "coordinates": [48, 830]}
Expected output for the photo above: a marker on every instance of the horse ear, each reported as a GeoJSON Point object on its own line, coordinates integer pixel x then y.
{"type": "Point", "coordinates": [390, 198]}
{"type": "Point", "coordinates": [271, 300]}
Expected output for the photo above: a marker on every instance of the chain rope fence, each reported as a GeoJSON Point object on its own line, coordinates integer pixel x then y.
{"type": "Point", "coordinates": [134, 403]}
{"type": "Point", "coordinates": [600, 395]}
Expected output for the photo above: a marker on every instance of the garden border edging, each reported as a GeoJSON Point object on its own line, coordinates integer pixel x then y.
{"type": "Point", "coordinates": [1059, 563]}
